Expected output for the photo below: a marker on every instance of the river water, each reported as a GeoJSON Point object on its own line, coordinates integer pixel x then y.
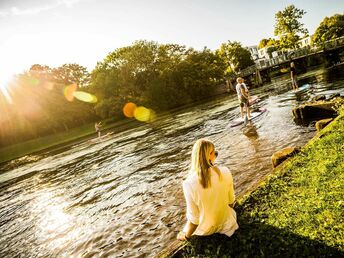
{"type": "Point", "coordinates": [121, 196]}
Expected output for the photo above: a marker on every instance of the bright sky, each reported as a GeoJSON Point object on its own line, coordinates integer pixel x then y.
{"type": "Point", "coordinates": [55, 32]}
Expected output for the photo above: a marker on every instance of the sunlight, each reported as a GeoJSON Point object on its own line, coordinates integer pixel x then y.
{"type": "Point", "coordinates": [5, 78]}
{"type": "Point", "coordinates": [55, 227]}
{"type": "Point", "coordinates": [6, 94]}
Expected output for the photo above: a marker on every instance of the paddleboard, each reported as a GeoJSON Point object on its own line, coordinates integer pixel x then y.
{"type": "Point", "coordinates": [253, 100]}
{"type": "Point", "coordinates": [302, 88]}
{"type": "Point", "coordinates": [239, 120]}
{"type": "Point", "coordinates": [101, 138]}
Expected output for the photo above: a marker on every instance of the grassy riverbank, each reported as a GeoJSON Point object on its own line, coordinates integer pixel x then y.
{"type": "Point", "coordinates": [296, 212]}
{"type": "Point", "coordinates": [61, 139]}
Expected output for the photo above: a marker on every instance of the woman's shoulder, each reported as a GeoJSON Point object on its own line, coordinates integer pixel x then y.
{"type": "Point", "coordinates": [190, 183]}
{"type": "Point", "coordinates": [224, 170]}
{"type": "Point", "coordinates": [190, 179]}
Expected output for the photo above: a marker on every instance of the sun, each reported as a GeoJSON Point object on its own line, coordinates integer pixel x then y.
{"type": "Point", "coordinates": [4, 83]}
{"type": "Point", "coordinates": [5, 79]}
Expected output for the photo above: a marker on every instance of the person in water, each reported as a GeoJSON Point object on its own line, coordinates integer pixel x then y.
{"type": "Point", "coordinates": [97, 127]}
{"type": "Point", "coordinates": [209, 195]}
{"type": "Point", "coordinates": [244, 97]}
{"type": "Point", "coordinates": [293, 76]}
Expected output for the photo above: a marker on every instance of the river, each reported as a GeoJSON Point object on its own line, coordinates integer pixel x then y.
{"type": "Point", "coordinates": [121, 196]}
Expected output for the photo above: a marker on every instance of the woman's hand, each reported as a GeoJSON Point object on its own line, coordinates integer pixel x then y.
{"type": "Point", "coordinates": [190, 229]}
{"type": "Point", "coordinates": [182, 236]}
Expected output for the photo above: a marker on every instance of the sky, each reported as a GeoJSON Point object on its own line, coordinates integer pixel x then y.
{"type": "Point", "coordinates": [56, 32]}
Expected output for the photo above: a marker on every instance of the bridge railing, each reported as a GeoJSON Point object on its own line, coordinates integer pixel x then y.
{"type": "Point", "coordinates": [308, 50]}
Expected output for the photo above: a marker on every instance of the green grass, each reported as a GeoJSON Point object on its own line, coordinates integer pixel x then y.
{"type": "Point", "coordinates": [35, 145]}
{"type": "Point", "coordinates": [59, 139]}
{"type": "Point", "coordinates": [296, 212]}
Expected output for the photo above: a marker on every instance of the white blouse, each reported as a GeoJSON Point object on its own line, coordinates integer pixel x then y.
{"type": "Point", "coordinates": [208, 207]}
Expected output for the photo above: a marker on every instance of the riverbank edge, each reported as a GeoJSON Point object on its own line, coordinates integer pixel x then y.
{"type": "Point", "coordinates": [57, 141]}
{"type": "Point", "coordinates": [249, 210]}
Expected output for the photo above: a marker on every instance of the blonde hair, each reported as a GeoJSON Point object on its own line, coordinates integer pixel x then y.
{"type": "Point", "coordinates": [239, 79]}
{"type": "Point", "coordinates": [200, 161]}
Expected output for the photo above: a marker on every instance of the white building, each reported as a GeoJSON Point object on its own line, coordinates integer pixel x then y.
{"type": "Point", "coordinates": [264, 53]}
{"type": "Point", "coordinates": [277, 53]}
{"type": "Point", "coordinates": [253, 51]}
{"type": "Point", "coordinates": [305, 42]}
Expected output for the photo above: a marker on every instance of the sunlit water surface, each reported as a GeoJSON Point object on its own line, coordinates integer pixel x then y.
{"type": "Point", "coordinates": [121, 196]}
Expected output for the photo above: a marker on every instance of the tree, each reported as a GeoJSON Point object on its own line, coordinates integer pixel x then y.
{"type": "Point", "coordinates": [72, 73]}
{"type": "Point", "coordinates": [263, 43]}
{"type": "Point", "coordinates": [329, 28]}
{"type": "Point", "coordinates": [268, 43]}
{"type": "Point", "coordinates": [156, 76]}
{"type": "Point", "coordinates": [125, 75]}
{"type": "Point", "coordinates": [202, 71]}
{"type": "Point", "coordinates": [270, 50]}
{"type": "Point", "coordinates": [236, 56]}
{"type": "Point", "coordinates": [288, 27]}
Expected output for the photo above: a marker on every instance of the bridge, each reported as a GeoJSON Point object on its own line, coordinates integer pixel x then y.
{"type": "Point", "coordinates": [290, 56]}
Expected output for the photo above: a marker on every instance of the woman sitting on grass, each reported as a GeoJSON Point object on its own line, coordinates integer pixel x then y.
{"type": "Point", "coordinates": [209, 195]}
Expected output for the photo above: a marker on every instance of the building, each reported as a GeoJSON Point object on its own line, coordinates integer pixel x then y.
{"type": "Point", "coordinates": [265, 52]}
{"type": "Point", "coordinates": [253, 51]}
{"type": "Point", "coordinates": [305, 42]}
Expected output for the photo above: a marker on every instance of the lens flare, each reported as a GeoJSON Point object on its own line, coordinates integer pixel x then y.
{"type": "Point", "coordinates": [33, 81]}
{"type": "Point", "coordinates": [129, 109]}
{"type": "Point", "coordinates": [69, 91]}
{"type": "Point", "coordinates": [84, 96]}
{"type": "Point", "coordinates": [142, 114]}
{"type": "Point", "coordinates": [6, 94]}
{"type": "Point", "coordinates": [152, 116]}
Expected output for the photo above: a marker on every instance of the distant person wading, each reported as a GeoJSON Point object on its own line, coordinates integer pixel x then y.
{"type": "Point", "coordinates": [97, 127]}
{"type": "Point", "coordinates": [293, 76]}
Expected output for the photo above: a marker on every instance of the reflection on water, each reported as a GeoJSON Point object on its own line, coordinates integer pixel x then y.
{"type": "Point", "coordinates": [250, 130]}
{"type": "Point", "coordinates": [121, 196]}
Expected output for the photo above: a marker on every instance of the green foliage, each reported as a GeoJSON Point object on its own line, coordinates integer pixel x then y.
{"type": "Point", "coordinates": [270, 50]}
{"type": "Point", "coordinates": [71, 73]}
{"type": "Point", "coordinates": [268, 43]}
{"type": "Point", "coordinates": [157, 76]}
{"type": "Point", "coordinates": [146, 73]}
{"type": "Point", "coordinates": [288, 27]}
{"type": "Point", "coordinates": [297, 212]}
{"type": "Point", "coordinates": [329, 28]}
{"type": "Point", "coordinates": [235, 56]}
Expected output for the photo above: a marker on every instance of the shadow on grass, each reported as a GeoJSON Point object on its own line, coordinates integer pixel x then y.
{"type": "Point", "coordinates": [255, 239]}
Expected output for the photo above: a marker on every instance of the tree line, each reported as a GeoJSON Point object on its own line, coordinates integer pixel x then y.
{"type": "Point", "coordinates": [157, 76]}
{"type": "Point", "coordinates": [288, 30]}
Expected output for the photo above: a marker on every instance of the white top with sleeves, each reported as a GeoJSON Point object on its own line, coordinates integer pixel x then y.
{"type": "Point", "coordinates": [208, 207]}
